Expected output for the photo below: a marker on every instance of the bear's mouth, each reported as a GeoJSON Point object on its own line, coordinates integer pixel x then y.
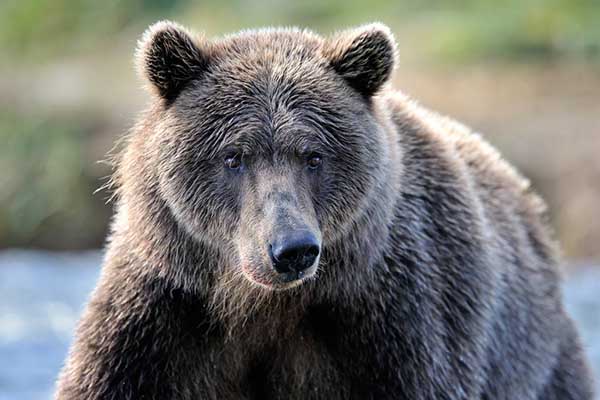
{"type": "Point", "coordinates": [293, 276]}
{"type": "Point", "coordinates": [278, 281]}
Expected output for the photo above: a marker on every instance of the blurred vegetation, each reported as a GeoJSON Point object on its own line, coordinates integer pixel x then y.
{"type": "Point", "coordinates": [47, 28]}
{"type": "Point", "coordinates": [45, 182]}
{"type": "Point", "coordinates": [459, 29]}
{"type": "Point", "coordinates": [67, 90]}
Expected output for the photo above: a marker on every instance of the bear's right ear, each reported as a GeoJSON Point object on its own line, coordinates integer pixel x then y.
{"type": "Point", "coordinates": [169, 58]}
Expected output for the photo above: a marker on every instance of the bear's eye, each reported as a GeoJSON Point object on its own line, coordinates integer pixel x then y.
{"type": "Point", "coordinates": [314, 161]}
{"type": "Point", "coordinates": [233, 162]}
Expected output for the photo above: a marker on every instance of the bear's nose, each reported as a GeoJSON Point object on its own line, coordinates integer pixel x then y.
{"type": "Point", "coordinates": [294, 252]}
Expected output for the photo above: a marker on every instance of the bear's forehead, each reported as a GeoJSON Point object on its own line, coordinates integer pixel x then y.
{"type": "Point", "coordinates": [273, 87]}
{"type": "Point", "coordinates": [270, 88]}
{"type": "Point", "coordinates": [266, 121]}
{"type": "Point", "coordinates": [269, 45]}
{"type": "Point", "coordinates": [268, 113]}
{"type": "Point", "coordinates": [278, 56]}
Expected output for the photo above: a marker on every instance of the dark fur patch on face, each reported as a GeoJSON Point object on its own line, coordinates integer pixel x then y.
{"type": "Point", "coordinates": [169, 58]}
{"type": "Point", "coordinates": [364, 57]}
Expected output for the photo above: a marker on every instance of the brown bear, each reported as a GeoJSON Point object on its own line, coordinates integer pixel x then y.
{"type": "Point", "coordinates": [289, 227]}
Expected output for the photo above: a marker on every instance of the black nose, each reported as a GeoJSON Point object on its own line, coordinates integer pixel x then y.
{"type": "Point", "coordinates": [294, 252]}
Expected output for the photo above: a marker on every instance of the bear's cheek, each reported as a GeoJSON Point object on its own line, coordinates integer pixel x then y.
{"type": "Point", "coordinates": [201, 202]}
{"type": "Point", "coordinates": [340, 198]}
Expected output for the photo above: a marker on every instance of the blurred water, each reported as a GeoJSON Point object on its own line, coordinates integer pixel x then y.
{"type": "Point", "coordinates": [42, 295]}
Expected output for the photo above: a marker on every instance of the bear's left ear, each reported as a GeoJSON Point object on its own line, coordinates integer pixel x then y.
{"type": "Point", "coordinates": [364, 56]}
{"type": "Point", "coordinates": [169, 58]}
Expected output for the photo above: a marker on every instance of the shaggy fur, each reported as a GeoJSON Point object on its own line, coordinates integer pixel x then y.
{"type": "Point", "coordinates": [437, 275]}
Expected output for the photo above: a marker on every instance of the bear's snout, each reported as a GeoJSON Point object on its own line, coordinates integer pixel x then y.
{"type": "Point", "coordinates": [294, 253]}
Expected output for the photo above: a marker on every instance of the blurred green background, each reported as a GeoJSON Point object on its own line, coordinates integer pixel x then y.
{"type": "Point", "coordinates": [525, 73]}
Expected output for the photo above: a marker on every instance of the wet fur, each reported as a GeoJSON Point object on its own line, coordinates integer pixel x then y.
{"type": "Point", "coordinates": [437, 277]}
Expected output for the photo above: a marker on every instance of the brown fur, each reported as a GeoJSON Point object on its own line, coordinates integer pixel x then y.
{"type": "Point", "coordinates": [437, 273]}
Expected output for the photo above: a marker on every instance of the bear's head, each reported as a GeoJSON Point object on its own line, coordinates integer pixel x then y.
{"type": "Point", "coordinates": [268, 145]}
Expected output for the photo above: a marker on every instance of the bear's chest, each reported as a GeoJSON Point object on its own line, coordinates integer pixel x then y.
{"type": "Point", "coordinates": [321, 356]}
{"type": "Point", "coordinates": [304, 366]}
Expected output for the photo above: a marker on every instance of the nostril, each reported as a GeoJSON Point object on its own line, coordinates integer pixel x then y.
{"type": "Point", "coordinates": [295, 252]}
{"type": "Point", "coordinates": [298, 254]}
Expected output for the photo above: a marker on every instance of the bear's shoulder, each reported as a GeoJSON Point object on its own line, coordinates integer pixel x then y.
{"type": "Point", "coordinates": [484, 166]}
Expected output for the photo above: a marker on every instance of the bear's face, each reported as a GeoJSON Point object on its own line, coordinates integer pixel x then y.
{"type": "Point", "coordinates": [267, 147]}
